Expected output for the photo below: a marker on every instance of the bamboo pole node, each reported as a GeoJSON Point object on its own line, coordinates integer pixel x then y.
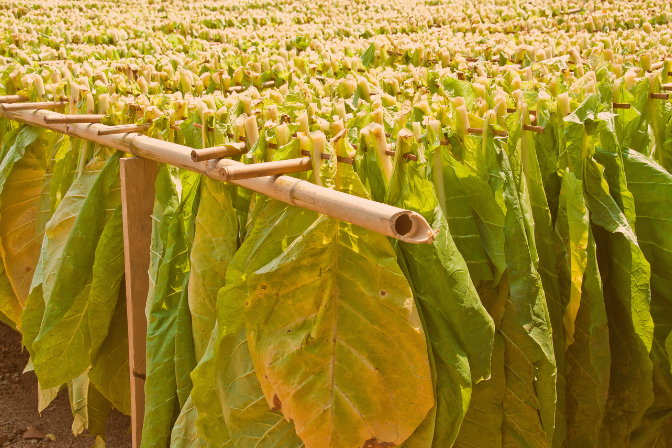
{"type": "Point", "coordinates": [33, 106]}
{"type": "Point", "coordinates": [218, 152]}
{"type": "Point", "coordinates": [124, 129]}
{"type": "Point", "coordinates": [538, 129]}
{"type": "Point", "coordinates": [71, 119]}
{"type": "Point", "coordinates": [659, 96]}
{"type": "Point", "coordinates": [621, 105]}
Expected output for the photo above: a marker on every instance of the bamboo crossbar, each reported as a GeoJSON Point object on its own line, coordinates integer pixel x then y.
{"type": "Point", "coordinates": [402, 224]}
{"type": "Point", "coordinates": [667, 87]}
{"type": "Point", "coordinates": [124, 129]}
{"type": "Point", "coordinates": [69, 119]}
{"type": "Point", "coordinates": [13, 98]}
{"type": "Point", "coordinates": [33, 106]}
{"type": "Point", "coordinates": [217, 152]}
{"type": "Point", "coordinates": [659, 96]}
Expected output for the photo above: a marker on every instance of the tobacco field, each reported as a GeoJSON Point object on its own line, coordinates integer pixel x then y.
{"type": "Point", "coordinates": [534, 137]}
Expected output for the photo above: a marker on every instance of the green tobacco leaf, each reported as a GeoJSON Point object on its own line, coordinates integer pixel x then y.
{"type": "Point", "coordinates": [651, 187]}
{"type": "Point", "coordinates": [245, 411]}
{"type": "Point", "coordinates": [545, 243]}
{"type": "Point", "coordinates": [90, 408]}
{"type": "Point", "coordinates": [482, 425]}
{"type": "Point", "coordinates": [184, 433]}
{"type": "Point", "coordinates": [215, 243]}
{"type": "Point", "coordinates": [625, 274]}
{"type": "Point", "coordinates": [458, 327]}
{"type": "Point", "coordinates": [63, 343]}
{"type": "Point", "coordinates": [168, 270]}
{"type": "Point", "coordinates": [573, 226]}
{"type": "Point", "coordinates": [108, 273]}
{"type": "Point", "coordinates": [10, 308]}
{"type": "Point", "coordinates": [530, 369]}
{"type": "Point", "coordinates": [111, 366]}
{"type": "Point", "coordinates": [588, 361]}
{"type": "Point", "coordinates": [184, 346]}
{"type": "Point", "coordinates": [459, 216]}
{"type": "Point", "coordinates": [330, 291]}
{"type": "Point", "coordinates": [21, 179]}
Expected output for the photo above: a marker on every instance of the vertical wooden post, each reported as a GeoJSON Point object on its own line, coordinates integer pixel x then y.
{"type": "Point", "coordinates": [137, 201]}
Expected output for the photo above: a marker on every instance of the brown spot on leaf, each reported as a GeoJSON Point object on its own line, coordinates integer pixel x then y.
{"type": "Point", "coordinates": [277, 404]}
{"type": "Point", "coordinates": [264, 287]}
{"type": "Point", "coordinates": [383, 293]}
{"type": "Point", "coordinates": [374, 443]}
{"type": "Point", "coordinates": [28, 269]}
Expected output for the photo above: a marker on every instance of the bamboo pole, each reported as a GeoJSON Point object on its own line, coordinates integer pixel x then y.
{"type": "Point", "coordinates": [13, 99]}
{"type": "Point", "coordinates": [124, 128]}
{"type": "Point", "coordinates": [33, 106]}
{"type": "Point", "coordinates": [479, 131]}
{"type": "Point", "coordinates": [230, 173]}
{"type": "Point", "coordinates": [217, 152]}
{"type": "Point", "coordinates": [621, 106]}
{"type": "Point", "coordinates": [68, 119]}
{"type": "Point", "coordinates": [659, 96]}
{"type": "Point", "coordinates": [538, 129]}
{"type": "Point", "coordinates": [667, 87]}
{"type": "Point", "coordinates": [402, 224]}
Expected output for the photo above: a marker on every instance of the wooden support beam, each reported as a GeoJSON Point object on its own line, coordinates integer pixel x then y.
{"type": "Point", "coordinates": [137, 201]}
{"type": "Point", "coordinates": [621, 105]}
{"type": "Point", "coordinates": [70, 119]}
{"type": "Point", "coordinates": [659, 96]}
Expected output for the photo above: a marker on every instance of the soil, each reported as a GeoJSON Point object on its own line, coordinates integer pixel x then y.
{"type": "Point", "coordinates": [18, 406]}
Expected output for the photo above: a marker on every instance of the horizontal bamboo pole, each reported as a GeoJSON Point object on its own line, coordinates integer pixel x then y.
{"type": "Point", "coordinates": [538, 129]}
{"type": "Point", "coordinates": [230, 173]}
{"type": "Point", "coordinates": [667, 87]}
{"type": "Point", "coordinates": [659, 96]}
{"type": "Point", "coordinates": [348, 160]}
{"type": "Point", "coordinates": [13, 99]}
{"type": "Point", "coordinates": [67, 119]}
{"type": "Point", "coordinates": [621, 106]}
{"type": "Point", "coordinates": [217, 152]}
{"type": "Point", "coordinates": [124, 129]}
{"type": "Point", "coordinates": [33, 106]}
{"type": "Point", "coordinates": [402, 224]}
{"type": "Point", "coordinates": [479, 131]}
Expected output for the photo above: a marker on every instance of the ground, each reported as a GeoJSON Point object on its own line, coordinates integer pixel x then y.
{"type": "Point", "coordinates": [18, 405]}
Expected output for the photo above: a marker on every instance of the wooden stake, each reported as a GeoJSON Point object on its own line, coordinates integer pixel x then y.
{"type": "Point", "coordinates": [124, 129]}
{"type": "Point", "coordinates": [231, 173]}
{"type": "Point", "coordinates": [67, 119]}
{"type": "Point", "coordinates": [33, 106]}
{"type": "Point", "coordinates": [137, 203]}
{"type": "Point", "coordinates": [13, 99]}
{"type": "Point", "coordinates": [217, 152]}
